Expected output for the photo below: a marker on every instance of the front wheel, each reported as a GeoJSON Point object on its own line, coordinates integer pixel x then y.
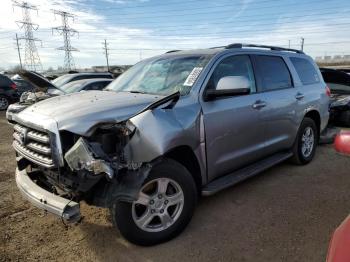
{"type": "Point", "coordinates": [4, 102]}
{"type": "Point", "coordinates": [164, 208]}
{"type": "Point", "coordinates": [306, 141]}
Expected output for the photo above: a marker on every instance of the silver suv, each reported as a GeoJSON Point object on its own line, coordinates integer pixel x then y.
{"type": "Point", "coordinates": [170, 129]}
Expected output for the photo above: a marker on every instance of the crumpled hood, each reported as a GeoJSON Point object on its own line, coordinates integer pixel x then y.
{"type": "Point", "coordinates": [78, 112]}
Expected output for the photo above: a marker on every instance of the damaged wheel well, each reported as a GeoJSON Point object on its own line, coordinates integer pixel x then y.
{"type": "Point", "coordinates": [314, 115]}
{"type": "Point", "coordinates": [185, 156]}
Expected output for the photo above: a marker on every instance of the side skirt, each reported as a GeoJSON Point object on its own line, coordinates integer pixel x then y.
{"type": "Point", "coordinates": [244, 173]}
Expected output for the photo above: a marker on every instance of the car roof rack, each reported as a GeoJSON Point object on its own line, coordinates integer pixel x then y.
{"type": "Point", "coordinates": [274, 48]}
{"type": "Point", "coordinates": [172, 51]}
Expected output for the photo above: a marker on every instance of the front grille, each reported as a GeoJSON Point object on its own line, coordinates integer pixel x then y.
{"type": "Point", "coordinates": [34, 145]}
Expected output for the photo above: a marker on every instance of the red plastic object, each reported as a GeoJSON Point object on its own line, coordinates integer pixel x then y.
{"type": "Point", "coordinates": [342, 143]}
{"type": "Point", "coordinates": [339, 248]}
{"type": "Point", "coordinates": [328, 91]}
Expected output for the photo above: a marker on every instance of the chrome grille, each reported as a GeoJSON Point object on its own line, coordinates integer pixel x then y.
{"type": "Point", "coordinates": [33, 145]}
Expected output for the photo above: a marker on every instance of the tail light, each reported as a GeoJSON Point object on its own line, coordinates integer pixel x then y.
{"type": "Point", "coordinates": [13, 86]}
{"type": "Point", "coordinates": [328, 91]}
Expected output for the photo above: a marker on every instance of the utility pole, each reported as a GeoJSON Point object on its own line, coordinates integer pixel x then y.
{"type": "Point", "coordinates": [288, 43]}
{"type": "Point", "coordinates": [67, 32]}
{"type": "Point", "coordinates": [19, 52]}
{"type": "Point", "coordinates": [31, 57]}
{"type": "Point", "coordinates": [302, 43]}
{"type": "Point", "coordinates": [105, 47]}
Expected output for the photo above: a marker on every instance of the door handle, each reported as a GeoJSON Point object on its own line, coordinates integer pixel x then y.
{"type": "Point", "coordinates": [259, 104]}
{"type": "Point", "coordinates": [299, 96]}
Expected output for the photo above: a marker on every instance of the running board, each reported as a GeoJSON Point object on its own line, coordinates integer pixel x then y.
{"type": "Point", "coordinates": [244, 173]}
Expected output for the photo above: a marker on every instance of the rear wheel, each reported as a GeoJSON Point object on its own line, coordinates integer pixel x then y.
{"type": "Point", "coordinates": [164, 207]}
{"type": "Point", "coordinates": [305, 144]}
{"type": "Point", "coordinates": [4, 102]}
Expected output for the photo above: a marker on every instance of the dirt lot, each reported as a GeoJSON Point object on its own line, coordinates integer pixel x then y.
{"type": "Point", "coordinates": [286, 214]}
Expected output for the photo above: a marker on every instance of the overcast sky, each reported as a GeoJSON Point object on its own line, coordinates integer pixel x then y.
{"type": "Point", "coordinates": [136, 29]}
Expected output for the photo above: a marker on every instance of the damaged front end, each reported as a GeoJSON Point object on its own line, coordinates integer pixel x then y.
{"type": "Point", "coordinates": [104, 160]}
{"type": "Point", "coordinates": [109, 163]}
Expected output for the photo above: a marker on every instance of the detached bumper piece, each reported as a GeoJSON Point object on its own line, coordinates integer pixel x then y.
{"type": "Point", "coordinates": [39, 197]}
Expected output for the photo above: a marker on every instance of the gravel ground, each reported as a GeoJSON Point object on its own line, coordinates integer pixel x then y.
{"type": "Point", "coordinates": [286, 214]}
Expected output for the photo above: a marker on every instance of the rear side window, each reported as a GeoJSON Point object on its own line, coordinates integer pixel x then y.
{"type": "Point", "coordinates": [274, 73]}
{"type": "Point", "coordinates": [306, 71]}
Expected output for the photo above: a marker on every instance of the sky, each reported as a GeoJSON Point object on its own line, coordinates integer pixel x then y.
{"type": "Point", "coordinates": [137, 29]}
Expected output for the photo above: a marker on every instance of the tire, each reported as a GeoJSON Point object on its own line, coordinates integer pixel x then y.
{"type": "Point", "coordinates": [129, 217]}
{"type": "Point", "coordinates": [4, 102]}
{"type": "Point", "coordinates": [304, 155]}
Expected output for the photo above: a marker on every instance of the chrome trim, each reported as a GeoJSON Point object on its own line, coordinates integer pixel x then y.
{"type": "Point", "coordinates": [39, 148]}
{"type": "Point", "coordinates": [46, 200]}
{"type": "Point", "coordinates": [37, 136]}
{"type": "Point", "coordinates": [32, 156]}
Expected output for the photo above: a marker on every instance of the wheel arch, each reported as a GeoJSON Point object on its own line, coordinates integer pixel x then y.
{"type": "Point", "coordinates": [315, 116]}
{"type": "Point", "coordinates": [186, 157]}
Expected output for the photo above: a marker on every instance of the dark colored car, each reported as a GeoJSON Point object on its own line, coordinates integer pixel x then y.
{"type": "Point", "coordinates": [62, 80]}
{"type": "Point", "coordinates": [339, 83]}
{"type": "Point", "coordinates": [8, 92]}
{"type": "Point", "coordinates": [86, 84]}
{"type": "Point", "coordinates": [22, 85]}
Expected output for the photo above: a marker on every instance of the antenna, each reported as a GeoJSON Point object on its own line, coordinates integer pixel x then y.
{"type": "Point", "coordinates": [31, 55]}
{"type": "Point", "coordinates": [67, 32]}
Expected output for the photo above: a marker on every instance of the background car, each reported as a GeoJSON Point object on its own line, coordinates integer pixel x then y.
{"type": "Point", "coordinates": [22, 85]}
{"type": "Point", "coordinates": [62, 80]}
{"type": "Point", "coordinates": [86, 84]}
{"type": "Point", "coordinates": [8, 92]}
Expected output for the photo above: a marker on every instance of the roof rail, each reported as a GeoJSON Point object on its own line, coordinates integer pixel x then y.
{"type": "Point", "coordinates": [274, 48]}
{"type": "Point", "coordinates": [172, 51]}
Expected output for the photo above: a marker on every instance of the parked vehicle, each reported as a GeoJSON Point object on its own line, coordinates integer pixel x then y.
{"type": "Point", "coordinates": [339, 84]}
{"type": "Point", "coordinates": [22, 85]}
{"type": "Point", "coordinates": [62, 80]}
{"type": "Point", "coordinates": [8, 92]}
{"type": "Point", "coordinates": [42, 89]}
{"type": "Point", "coordinates": [86, 84]}
{"type": "Point", "coordinates": [171, 128]}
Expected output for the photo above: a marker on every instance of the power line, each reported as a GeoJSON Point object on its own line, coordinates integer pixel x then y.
{"type": "Point", "coordinates": [31, 58]}
{"type": "Point", "coordinates": [67, 32]}
{"type": "Point", "coordinates": [167, 13]}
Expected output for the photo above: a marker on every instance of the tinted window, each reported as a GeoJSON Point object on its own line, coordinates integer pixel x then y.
{"type": "Point", "coordinates": [305, 70]}
{"type": "Point", "coordinates": [273, 72]}
{"type": "Point", "coordinates": [95, 86]}
{"type": "Point", "coordinates": [5, 81]}
{"type": "Point", "coordinates": [239, 65]}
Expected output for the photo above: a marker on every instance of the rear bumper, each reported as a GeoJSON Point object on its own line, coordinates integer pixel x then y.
{"type": "Point", "coordinates": [39, 197]}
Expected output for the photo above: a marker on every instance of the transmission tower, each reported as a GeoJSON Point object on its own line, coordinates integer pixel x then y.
{"type": "Point", "coordinates": [67, 32]}
{"type": "Point", "coordinates": [31, 55]}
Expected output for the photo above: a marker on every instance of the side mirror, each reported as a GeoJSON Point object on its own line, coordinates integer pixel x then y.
{"type": "Point", "coordinates": [229, 86]}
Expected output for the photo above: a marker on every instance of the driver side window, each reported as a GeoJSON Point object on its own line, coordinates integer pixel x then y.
{"type": "Point", "coordinates": [238, 66]}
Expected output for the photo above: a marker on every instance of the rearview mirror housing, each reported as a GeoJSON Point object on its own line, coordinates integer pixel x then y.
{"type": "Point", "coordinates": [229, 86]}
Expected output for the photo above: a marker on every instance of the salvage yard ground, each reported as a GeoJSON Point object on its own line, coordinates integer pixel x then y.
{"type": "Point", "coordinates": [286, 214]}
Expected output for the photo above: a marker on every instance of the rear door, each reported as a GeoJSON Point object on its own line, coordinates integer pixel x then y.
{"type": "Point", "coordinates": [279, 114]}
{"type": "Point", "coordinates": [233, 130]}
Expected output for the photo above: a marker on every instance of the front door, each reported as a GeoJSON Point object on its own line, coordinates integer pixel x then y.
{"type": "Point", "coordinates": [233, 127]}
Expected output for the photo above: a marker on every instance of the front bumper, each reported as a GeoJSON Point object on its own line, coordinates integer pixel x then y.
{"type": "Point", "coordinates": [39, 197]}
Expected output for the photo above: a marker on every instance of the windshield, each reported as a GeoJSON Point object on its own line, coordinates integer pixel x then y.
{"type": "Point", "coordinates": [162, 76]}
{"type": "Point", "coordinates": [59, 81]}
{"type": "Point", "coordinates": [72, 87]}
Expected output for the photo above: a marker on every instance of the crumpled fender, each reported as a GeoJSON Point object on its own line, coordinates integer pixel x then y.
{"type": "Point", "coordinates": [160, 130]}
